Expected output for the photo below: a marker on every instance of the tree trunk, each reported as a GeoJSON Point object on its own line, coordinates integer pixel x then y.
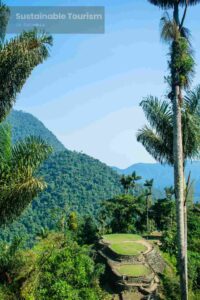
{"type": "Point", "coordinates": [147, 213]}
{"type": "Point", "coordinates": [179, 191]}
{"type": "Point", "coordinates": [181, 214]}
{"type": "Point", "coordinates": [186, 242]}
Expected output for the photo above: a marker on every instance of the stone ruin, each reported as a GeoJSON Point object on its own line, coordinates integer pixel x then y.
{"type": "Point", "coordinates": [146, 284]}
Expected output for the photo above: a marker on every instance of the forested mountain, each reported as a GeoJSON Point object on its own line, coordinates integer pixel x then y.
{"type": "Point", "coordinates": [163, 174]}
{"type": "Point", "coordinates": [75, 182]}
{"type": "Point", "coordinates": [24, 124]}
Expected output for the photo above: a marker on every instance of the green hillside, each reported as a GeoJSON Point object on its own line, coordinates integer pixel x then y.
{"type": "Point", "coordinates": [75, 182]}
{"type": "Point", "coordinates": [24, 124]}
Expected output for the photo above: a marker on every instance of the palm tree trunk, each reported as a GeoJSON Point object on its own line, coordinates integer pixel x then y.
{"type": "Point", "coordinates": [179, 176]}
{"type": "Point", "coordinates": [186, 186]}
{"type": "Point", "coordinates": [147, 213]}
{"type": "Point", "coordinates": [179, 191]}
{"type": "Point", "coordinates": [186, 243]}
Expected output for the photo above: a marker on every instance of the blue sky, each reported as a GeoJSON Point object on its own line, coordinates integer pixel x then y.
{"type": "Point", "coordinates": [88, 91]}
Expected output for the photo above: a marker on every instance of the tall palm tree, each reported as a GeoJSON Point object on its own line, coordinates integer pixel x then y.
{"type": "Point", "coordinates": [178, 82]}
{"type": "Point", "coordinates": [18, 164]}
{"type": "Point", "coordinates": [157, 137]}
{"type": "Point", "coordinates": [18, 57]}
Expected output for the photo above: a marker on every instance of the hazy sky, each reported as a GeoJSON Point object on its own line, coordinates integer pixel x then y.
{"type": "Point", "coordinates": [88, 91]}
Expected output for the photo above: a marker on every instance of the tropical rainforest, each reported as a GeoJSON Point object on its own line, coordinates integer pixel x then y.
{"type": "Point", "coordinates": [57, 206]}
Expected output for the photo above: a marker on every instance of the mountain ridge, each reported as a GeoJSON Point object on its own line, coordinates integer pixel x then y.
{"type": "Point", "coordinates": [163, 174]}
{"type": "Point", "coordinates": [24, 124]}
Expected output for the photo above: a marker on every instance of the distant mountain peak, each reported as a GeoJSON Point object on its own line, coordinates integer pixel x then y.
{"type": "Point", "coordinates": [163, 174]}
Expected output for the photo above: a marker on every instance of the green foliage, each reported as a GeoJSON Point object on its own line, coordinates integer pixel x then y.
{"type": "Point", "coordinates": [182, 62]}
{"type": "Point", "coordinates": [194, 270]}
{"type": "Point", "coordinates": [169, 245]}
{"type": "Point", "coordinates": [9, 260]}
{"type": "Point", "coordinates": [88, 231]}
{"type": "Point", "coordinates": [169, 241]}
{"type": "Point", "coordinates": [194, 228]}
{"type": "Point", "coordinates": [18, 58]}
{"type": "Point", "coordinates": [164, 214]}
{"type": "Point", "coordinates": [4, 18]}
{"type": "Point", "coordinates": [129, 182]}
{"type": "Point", "coordinates": [75, 181]}
{"type": "Point", "coordinates": [171, 289]}
{"type": "Point", "coordinates": [56, 268]}
{"type": "Point", "coordinates": [73, 222]}
{"type": "Point", "coordinates": [122, 214]}
{"type": "Point", "coordinates": [18, 164]}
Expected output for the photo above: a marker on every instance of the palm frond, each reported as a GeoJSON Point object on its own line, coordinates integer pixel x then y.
{"type": "Point", "coordinates": [4, 18]}
{"type": "Point", "coordinates": [30, 153]}
{"type": "Point", "coordinates": [158, 137]}
{"type": "Point", "coordinates": [5, 142]}
{"type": "Point", "coordinates": [191, 134]}
{"type": "Point", "coordinates": [165, 4]}
{"type": "Point", "coordinates": [192, 100]}
{"type": "Point", "coordinates": [185, 33]}
{"type": "Point", "coordinates": [168, 29]}
{"type": "Point", "coordinates": [15, 198]}
{"type": "Point", "coordinates": [18, 58]}
{"type": "Point", "coordinates": [155, 145]}
{"type": "Point", "coordinates": [159, 114]}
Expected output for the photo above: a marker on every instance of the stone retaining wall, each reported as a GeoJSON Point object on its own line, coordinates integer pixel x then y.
{"type": "Point", "coordinates": [155, 261]}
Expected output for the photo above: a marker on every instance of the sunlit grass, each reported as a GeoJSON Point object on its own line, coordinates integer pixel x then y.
{"type": "Point", "coordinates": [133, 270]}
{"type": "Point", "coordinates": [122, 237]}
{"type": "Point", "coordinates": [128, 248]}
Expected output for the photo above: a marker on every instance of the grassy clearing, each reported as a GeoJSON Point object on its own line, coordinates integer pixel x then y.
{"type": "Point", "coordinates": [128, 248]}
{"type": "Point", "coordinates": [118, 238]}
{"type": "Point", "coordinates": [133, 270]}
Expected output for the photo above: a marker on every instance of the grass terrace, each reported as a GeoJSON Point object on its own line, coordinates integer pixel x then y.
{"type": "Point", "coordinates": [128, 248]}
{"type": "Point", "coordinates": [122, 237]}
{"type": "Point", "coordinates": [125, 244]}
{"type": "Point", "coordinates": [133, 270]}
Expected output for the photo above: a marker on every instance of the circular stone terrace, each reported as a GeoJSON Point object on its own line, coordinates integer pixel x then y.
{"type": "Point", "coordinates": [125, 256]}
{"type": "Point", "coordinates": [126, 244]}
{"type": "Point", "coordinates": [130, 260]}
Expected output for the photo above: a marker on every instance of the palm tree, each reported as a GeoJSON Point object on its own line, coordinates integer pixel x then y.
{"type": "Point", "coordinates": [18, 164]}
{"type": "Point", "coordinates": [178, 47]}
{"type": "Point", "coordinates": [129, 181]}
{"type": "Point", "coordinates": [18, 57]}
{"type": "Point", "coordinates": [126, 182]}
{"type": "Point", "coordinates": [135, 178]}
{"type": "Point", "coordinates": [157, 137]}
{"type": "Point", "coordinates": [148, 184]}
{"type": "Point", "coordinates": [169, 192]}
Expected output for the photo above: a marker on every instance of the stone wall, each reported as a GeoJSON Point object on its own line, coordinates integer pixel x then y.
{"type": "Point", "coordinates": [151, 259]}
{"type": "Point", "coordinates": [155, 261]}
